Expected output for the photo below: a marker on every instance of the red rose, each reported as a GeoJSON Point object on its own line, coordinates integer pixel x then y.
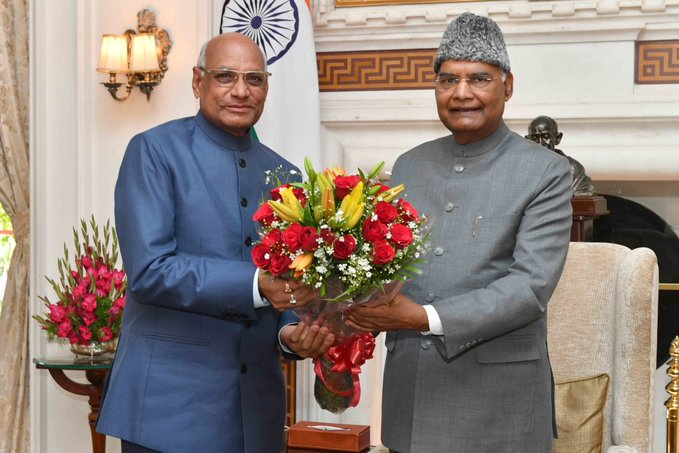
{"type": "Point", "coordinates": [408, 213]}
{"type": "Point", "coordinates": [279, 265]}
{"type": "Point", "coordinates": [328, 236]}
{"type": "Point", "coordinates": [344, 246]}
{"type": "Point", "coordinates": [290, 237]}
{"type": "Point", "coordinates": [261, 256]}
{"type": "Point", "coordinates": [264, 214]}
{"type": "Point", "coordinates": [386, 212]}
{"type": "Point", "coordinates": [383, 253]}
{"type": "Point", "coordinates": [401, 235]}
{"type": "Point", "coordinates": [298, 192]}
{"type": "Point", "coordinates": [344, 184]}
{"type": "Point", "coordinates": [272, 239]}
{"type": "Point", "coordinates": [374, 230]}
{"type": "Point", "coordinates": [309, 239]}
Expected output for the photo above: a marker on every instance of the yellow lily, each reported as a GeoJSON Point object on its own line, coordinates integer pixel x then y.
{"type": "Point", "coordinates": [332, 172]}
{"type": "Point", "coordinates": [328, 203]}
{"type": "Point", "coordinates": [282, 211]}
{"type": "Point", "coordinates": [389, 195]}
{"type": "Point", "coordinates": [301, 262]}
{"type": "Point", "coordinates": [290, 209]}
{"type": "Point", "coordinates": [323, 182]}
{"type": "Point", "coordinates": [355, 216]}
{"type": "Point", "coordinates": [350, 202]}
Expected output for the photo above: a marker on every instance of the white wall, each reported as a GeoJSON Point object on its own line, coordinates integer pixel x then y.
{"type": "Point", "coordinates": [78, 136]}
{"type": "Point", "coordinates": [573, 60]}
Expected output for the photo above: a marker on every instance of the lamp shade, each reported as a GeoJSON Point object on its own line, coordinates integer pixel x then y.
{"type": "Point", "coordinates": [113, 56]}
{"type": "Point", "coordinates": [144, 55]}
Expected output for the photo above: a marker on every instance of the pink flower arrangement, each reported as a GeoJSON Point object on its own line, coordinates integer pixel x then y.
{"type": "Point", "coordinates": [91, 294]}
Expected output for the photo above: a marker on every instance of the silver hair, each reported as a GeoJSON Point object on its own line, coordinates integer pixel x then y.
{"type": "Point", "coordinates": [203, 51]}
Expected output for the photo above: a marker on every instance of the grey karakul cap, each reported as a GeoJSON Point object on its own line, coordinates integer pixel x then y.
{"type": "Point", "coordinates": [473, 38]}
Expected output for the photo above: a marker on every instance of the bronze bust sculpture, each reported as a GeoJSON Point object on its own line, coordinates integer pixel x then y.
{"type": "Point", "coordinates": [544, 131]}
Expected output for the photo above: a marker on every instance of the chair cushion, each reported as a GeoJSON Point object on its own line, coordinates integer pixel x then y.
{"type": "Point", "coordinates": [580, 414]}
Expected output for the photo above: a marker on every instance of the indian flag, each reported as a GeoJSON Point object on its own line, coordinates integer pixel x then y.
{"type": "Point", "coordinates": [290, 124]}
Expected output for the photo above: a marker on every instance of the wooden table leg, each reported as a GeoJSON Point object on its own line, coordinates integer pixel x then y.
{"type": "Point", "coordinates": [94, 391]}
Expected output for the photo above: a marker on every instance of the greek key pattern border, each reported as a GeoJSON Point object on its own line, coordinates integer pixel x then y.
{"type": "Point", "coordinates": [405, 69]}
{"type": "Point", "coordinates": [657, 62]}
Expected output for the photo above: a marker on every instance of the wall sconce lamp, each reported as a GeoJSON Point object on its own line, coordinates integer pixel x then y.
{"type": "Point", "coordinates": [141, 55]}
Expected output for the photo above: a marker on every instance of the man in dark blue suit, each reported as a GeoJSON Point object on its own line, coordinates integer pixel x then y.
{"type": "Point", "coordinates": [198, 362]}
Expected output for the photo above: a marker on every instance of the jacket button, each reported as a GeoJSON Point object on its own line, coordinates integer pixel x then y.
{"type": "Point", "coordinates": [459, 168]}
{"type": "Point", "coordinates": [248, 242]}
{"type": "Point", "coordinates": [430, 297]}
{"type": "Point", "coordinates": [438, 251]}
{"type": "Point", "coordinates": [449, 207]}
{"type": "Point", "coordinates": [242, 163]}
{"type": "Point", "coordinates": [426, 344]}
{"type": "Point", "coordinates": [244, 202]}
{"type": "Point", "coordinates": [243, 368]}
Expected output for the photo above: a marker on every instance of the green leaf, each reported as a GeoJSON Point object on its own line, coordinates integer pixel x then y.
{"type": "Point", "coordinates": [374, 173]}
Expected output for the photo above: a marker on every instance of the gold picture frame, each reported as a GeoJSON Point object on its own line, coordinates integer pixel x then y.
{"type": "Point", "coordinates": [353, 3]}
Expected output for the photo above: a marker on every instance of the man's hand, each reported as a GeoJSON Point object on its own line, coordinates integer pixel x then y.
{"type": "Point", "coordinates": [399, 314]}
{"type": "Point", "coordinates": [307, 341]}
{"type": "Point", "coordinates": [285, 294]}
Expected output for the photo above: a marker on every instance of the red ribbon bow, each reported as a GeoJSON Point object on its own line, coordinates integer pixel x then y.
{"type": "Point", "coordinates": [349, 356]}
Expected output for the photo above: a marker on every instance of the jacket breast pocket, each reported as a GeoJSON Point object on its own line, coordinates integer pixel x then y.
{"type": "Point", "coordinates": [509, 349]}
{"type": "Point", "coordinates": [495, 235]}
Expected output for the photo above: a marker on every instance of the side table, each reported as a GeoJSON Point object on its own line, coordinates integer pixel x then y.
{"type": "Point", "coordinates": [96, 369]}
{"type": "Point", "coordinates": [585, 210]}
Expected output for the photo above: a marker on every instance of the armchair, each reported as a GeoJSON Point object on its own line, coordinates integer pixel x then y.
{"type": "Point", "coordinates": [602, 319]}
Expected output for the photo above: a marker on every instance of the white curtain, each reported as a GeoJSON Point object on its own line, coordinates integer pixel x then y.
{"type": "Point", "coordinates": [14, 196]}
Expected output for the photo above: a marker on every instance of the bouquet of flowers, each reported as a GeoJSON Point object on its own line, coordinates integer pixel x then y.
{"type": "Point", "coordinates": [90, 293]}
{"type": "Point", "coordinates": [353, 239]}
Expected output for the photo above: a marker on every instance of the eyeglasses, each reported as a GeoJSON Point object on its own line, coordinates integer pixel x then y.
{"type": "Point", "coordinates": [447, 82]}
{"type": "Point", "coordinates": [228, 77]}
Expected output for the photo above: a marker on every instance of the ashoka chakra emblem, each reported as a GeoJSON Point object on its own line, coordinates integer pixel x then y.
{"type": "Point", "coordinates": [272, 24]}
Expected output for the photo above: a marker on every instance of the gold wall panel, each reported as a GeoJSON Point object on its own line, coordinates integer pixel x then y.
{"type": "Point", "coordinates": [657, 62]}
{"type": "Point", "coordinates": [376, 70]}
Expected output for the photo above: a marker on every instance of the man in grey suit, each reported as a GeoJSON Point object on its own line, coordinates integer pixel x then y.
{"type": "Point", "coordinates": [467, 368]}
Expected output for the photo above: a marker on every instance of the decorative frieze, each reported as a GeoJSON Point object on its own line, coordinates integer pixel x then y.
{"type": "Point", "coordinates": [657, 62]}
{"type": "Point", "coordinates": [376, 70]}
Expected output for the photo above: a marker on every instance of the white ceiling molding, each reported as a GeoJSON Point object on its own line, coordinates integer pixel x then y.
{"type": "Point", "coordinates": [421, 25]}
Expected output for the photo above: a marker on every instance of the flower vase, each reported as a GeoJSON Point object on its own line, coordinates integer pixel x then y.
{"type": "Point", "coordinates": [95, 348]}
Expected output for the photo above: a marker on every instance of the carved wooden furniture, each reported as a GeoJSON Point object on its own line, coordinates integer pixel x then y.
{"type": "Point", "coordinates": [96, 369]}
{"type": "Point", "coordinates": [585, 210]}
